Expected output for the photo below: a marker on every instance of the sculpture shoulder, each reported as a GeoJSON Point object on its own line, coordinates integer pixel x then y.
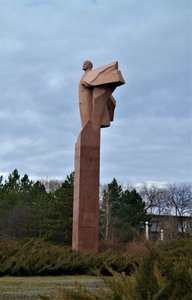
{"type": "Point", "coordinates": [104, 75]}
{"type": "Point", "coordinates": [84, 83]}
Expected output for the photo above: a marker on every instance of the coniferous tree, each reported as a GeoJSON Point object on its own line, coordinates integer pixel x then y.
{"type": "Point", "coordinates": [27, 209]}
{"type": "Point", "coordinates": [108, 213]}
{"type": "Point", "coordinates": [131, 213]}
{"type": "Point", "coordinates": [121, 212]}
{"type": "Point", "coordinates": [19, 206]}
{"type": "Point", "coordinates": [60, 212]}
{"type": "Point", "coordinates": [38, 203]}
{"type": "Point", "coordinates": [11, 215]}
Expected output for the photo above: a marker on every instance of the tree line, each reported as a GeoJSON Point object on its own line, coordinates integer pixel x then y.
{"type": "Point", "coordinates": [43, 208]}
{"type": "Point", "coordinates": [36, 208]}
{"type": "Point", "coordinates": [125, 210]}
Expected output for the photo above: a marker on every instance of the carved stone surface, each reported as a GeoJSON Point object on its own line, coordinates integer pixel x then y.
{"type": "Point", "coordinates": [96, 110]}
{"type": "Point", "coordinates": [95, 93]}
{"type": "Point", "coordinates": [86, 190]}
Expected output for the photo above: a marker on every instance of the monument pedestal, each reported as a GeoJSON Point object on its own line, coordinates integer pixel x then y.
{"type": "Point", "coordinates": [86, 190]}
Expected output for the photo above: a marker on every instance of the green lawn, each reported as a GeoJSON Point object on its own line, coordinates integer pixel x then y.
{"type": "Point", "coordinates": [18, 288]}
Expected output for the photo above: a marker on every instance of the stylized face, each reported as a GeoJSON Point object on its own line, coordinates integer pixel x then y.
{"type": "Point", "coordinates": [87, 65]}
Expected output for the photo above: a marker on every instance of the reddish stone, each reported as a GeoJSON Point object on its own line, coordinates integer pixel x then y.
{"type": "Point", "coordinates": [86, 190]}
{"type": "Point", "coordinates": [96, 110]}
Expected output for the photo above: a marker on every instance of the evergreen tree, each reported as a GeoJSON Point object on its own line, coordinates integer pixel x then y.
{"type": "Point", "coordinates": [26, 184]}
{"type": "Point", "coordinates": [60, 212]}
{"type": "Point", "coordinates": [131, 213]}
{"type": "Point", "coordinates": [11, 213]}
{"type": "Point", "coordinates": [9, 192]}
{"type": "Point", "coordinates": [12, 184]}
{"type": "Point", "coordinates": [121, 212]}
{"type": "Point", "coordinates": [28, 210]}
{"type": "Point", "coordinates": [38, 203]}
{"type": "Point", "coordinates": [115, 194]}
{"type": "Point", "coordinates": [108, 213]}
{"type": "Point", "coordinates": [19, 206]}
{"type": "Point", "coordinates": [132, 208]}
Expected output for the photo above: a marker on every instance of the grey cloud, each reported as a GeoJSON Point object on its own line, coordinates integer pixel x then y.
{"type": "Point", "coordinates": [42, 47]}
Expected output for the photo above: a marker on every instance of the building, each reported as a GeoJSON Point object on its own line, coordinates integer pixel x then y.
{"type": "Point", "coordinates": [172, 226]}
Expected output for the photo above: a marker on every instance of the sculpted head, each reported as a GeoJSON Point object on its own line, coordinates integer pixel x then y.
{"type": "Point", "coordinates": [87, 65]}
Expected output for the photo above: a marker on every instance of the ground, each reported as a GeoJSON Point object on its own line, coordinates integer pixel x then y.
{"type": "Point", "coordinates": [18, 288]}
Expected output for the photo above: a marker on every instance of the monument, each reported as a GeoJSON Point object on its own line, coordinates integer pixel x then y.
{"type": "Point", "coordinates": [97, 106]}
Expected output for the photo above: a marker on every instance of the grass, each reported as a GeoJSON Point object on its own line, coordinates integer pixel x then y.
{"type": "Point", "coordinates": [18, 288]}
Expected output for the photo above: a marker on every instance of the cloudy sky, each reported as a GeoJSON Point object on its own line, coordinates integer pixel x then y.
{"type": "Point", "coordinates": [42, 46]}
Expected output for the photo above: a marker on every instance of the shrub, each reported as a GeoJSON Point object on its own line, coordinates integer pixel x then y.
{"type": "Point", "coordinates": [37, 257]}
{"type": "Point", "coordinates": [159, 272]}
{"type": "Point", "coordinates": [157, 276]}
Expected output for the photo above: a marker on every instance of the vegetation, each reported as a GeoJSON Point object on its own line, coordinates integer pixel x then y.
{"type": "Point", "coordinates": [34, 209]}
{"type": "Point", "coordinates": [35, 239]}
{"type": "Point", "coordinates": [162, 271]}
{"type": "Point", "coordinates": [122, 212]}
{"type": "Point", "coordinates": [173, 199]}
{"type": "Point", "coordinates": [28, 288]}
{"type": "Point", "coordinates": [38, 257]}
{"type": "Point", "coordinates": [43, 209]}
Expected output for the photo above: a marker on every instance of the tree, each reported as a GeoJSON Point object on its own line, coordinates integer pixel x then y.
{"type": "Point", "coordinates": [110, 199]}
{"type": "Point", "coordinates": [25, 184]}
{"type": "Point", "coordinates": [120, 212]}
{"type": "Point", "coordinates": [180, 199]}
{"type": "Point", "coordinates": [171, 200]}
{"type": "Point", "coordinates": [9, 198]}
{"type": "Point", "coordinates": [51, 185]}
{"type": "Point", "coordinates": [155, 199]}
{"type": "Point", "coordinates": [34, 209]}
{"type": "Point", "coordinates": [59, 227]}
{"type": "Point", "coordinates": [37, 205]}
{"type": "Point", "coordinates": [12, 184]}
{"type": "Point", "coordinates": [21, 206]}
{"type": "Point", "coordinates": [131, 213]}
{"type": "Point", "coordinates": [132, 209]}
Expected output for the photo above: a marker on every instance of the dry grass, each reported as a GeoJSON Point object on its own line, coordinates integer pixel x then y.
{"type": "Point", "coordinates": [18, 288]}
{"type": "Point", "coordinates": [137, 248]}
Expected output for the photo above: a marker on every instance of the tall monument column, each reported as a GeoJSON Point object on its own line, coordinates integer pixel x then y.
{"type": "Point", "coordinates": [86, 189]}
{"type": "Point", "coordinates": [96, 110]}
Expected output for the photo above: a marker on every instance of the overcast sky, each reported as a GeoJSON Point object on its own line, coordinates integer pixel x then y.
{"type": "Point", "coordinates": [43, 44]}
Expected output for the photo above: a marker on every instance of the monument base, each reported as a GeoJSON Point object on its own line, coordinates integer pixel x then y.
{"type": "Point", "coordinates": [86, 190]}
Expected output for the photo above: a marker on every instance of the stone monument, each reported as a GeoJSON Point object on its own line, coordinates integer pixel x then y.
{"type": "Point", "coordinates": [97, 106]}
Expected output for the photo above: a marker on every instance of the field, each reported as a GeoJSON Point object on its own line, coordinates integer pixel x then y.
{"type": "Point", "coordinates": [18, 288]}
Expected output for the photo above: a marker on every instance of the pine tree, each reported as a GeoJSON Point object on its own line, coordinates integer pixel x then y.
{"type": "Point", "coordinates": [121, 212]}
{"type": "Point", "coordinates": [108, 213]}
{"type": "Point", "coordinates": [131, 213]}
{"type": "Point", "coordinates": [60, 212]}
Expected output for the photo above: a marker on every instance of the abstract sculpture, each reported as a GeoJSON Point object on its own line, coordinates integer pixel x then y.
{"type": "Point", "coordinates": [97, 106]}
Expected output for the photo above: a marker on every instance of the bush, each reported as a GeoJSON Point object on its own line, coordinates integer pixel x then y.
{"type": "Point", "coordinates": [38, 257]}
{"type": "Point", "coordinates": [158, 272]}
{"type": "Point", "coordinates": [158, 276]}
